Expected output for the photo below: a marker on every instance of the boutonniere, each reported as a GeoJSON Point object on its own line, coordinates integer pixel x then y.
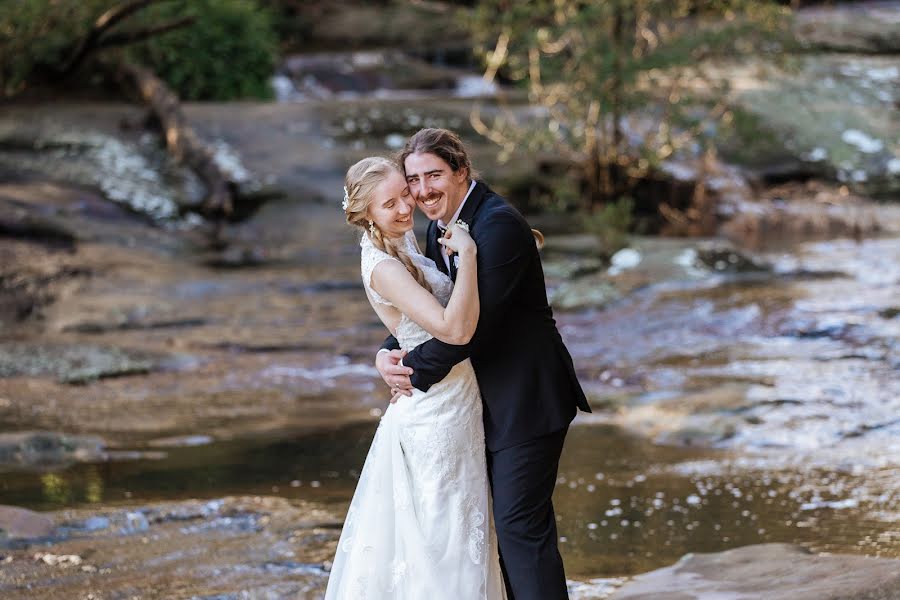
{"type": "Point", "coordinates": [462, 225]}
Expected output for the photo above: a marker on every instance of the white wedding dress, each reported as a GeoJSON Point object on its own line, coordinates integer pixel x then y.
{"type": "Point", "coordinates": [419, 526]}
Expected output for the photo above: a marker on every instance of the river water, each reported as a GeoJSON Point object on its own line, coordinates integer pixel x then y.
{"type": "Point", "coordinates": [732, 408]}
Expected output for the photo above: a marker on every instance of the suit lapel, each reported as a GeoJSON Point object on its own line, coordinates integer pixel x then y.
{"type": "Point", "coordinates": [473, 202]}
{"type": "Point", "coordinates": [433, 249]}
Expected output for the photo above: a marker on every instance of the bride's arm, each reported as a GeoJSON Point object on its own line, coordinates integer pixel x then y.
{"type": "Point", "coordinates": [452, 325]}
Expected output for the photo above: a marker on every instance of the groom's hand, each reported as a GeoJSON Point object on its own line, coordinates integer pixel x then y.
{"type": "Point", "coordinates": [394, 374]}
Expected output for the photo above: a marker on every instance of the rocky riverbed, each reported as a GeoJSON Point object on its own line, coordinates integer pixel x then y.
{"type": "Point", "coordinates": [741, 398]}
{"type": "Point", "coordinates": [183, 420]}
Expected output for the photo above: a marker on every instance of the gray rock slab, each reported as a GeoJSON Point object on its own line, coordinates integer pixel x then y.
{"type": "Point", "coordinates": [48, 449]}
{"type": "Point", "coordinates": [18, 522]}
{"type": "Point", "coordinates": [770, 572]}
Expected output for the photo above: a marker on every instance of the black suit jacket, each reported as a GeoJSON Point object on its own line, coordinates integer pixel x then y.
{"type": "Point", "coordinates": [525, 373]}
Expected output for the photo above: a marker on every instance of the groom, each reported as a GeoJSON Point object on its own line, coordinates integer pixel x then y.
{"type": "Point", "coordinates": [524, 371]}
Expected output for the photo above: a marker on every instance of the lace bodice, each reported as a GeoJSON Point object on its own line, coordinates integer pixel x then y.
{"type": "Point", "coordinates": [408, 333]}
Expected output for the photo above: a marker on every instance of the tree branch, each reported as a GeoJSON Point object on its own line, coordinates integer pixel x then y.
{"type": "Point", "coordinates": [103, 23]}
{"type": "Point", "coordinates": [131, 37]}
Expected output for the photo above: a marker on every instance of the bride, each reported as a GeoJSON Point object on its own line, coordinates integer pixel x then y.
{"type": "Point", "coordinates": [419, 525]}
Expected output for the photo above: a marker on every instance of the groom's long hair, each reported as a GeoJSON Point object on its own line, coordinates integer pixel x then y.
{"type": "Point", "coordinates": [447, 146]}
{"type": "Point", "coordinates": [444, 144]}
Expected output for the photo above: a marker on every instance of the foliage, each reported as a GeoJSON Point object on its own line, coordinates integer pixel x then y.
{"type": "Point", "coordinates": [616, 79]}
{"type": "Point", "coordinates": [36, 34]}
{"type": "Point", "coordinates": [611, 223]}
{"type": "Point", "coordinates": [228, 52]}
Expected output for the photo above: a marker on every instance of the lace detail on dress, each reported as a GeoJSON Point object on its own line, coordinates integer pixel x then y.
{"type": "Point", "coordinates": [475, 523]}
{"type": "Point", "coordinates": [398, 572]}
{"type": "Point", "coordinates": [408, 333]}
{"type": "Point", "coordinates": [370, 257]}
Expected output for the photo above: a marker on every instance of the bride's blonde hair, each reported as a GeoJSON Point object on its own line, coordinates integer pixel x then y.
{"type": "Point", "coordinates": [360, 183]}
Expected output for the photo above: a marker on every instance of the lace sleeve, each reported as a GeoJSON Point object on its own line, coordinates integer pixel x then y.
{"type": "Point", "coordinates": [371, 256]}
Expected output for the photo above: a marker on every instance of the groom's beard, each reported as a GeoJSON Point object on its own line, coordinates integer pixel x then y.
{"type": "Point", "coordinates": [435, 211]}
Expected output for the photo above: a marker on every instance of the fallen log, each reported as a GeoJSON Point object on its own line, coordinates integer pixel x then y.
{"type": "Point", "coordinates": [181, 140]}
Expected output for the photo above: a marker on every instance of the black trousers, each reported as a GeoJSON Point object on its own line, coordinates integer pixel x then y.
{"type": "Point", "coordinates": [522, 482]}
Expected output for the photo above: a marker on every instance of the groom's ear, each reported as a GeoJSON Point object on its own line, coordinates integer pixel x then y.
{"type": "Point", "coordinates": [462, 173]}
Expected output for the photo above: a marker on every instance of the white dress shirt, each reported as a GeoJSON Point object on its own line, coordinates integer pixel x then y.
{"type": "Point", "coordinates": [453, 220]}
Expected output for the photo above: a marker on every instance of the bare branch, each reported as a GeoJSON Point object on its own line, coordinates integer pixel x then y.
{"type": "Point", "coordinates": [119, 13]}
{"type": "Point", "coordinates": [103, 23]}
{"type": "Point", "coordinates": [497, 57]}
{"type": "Point", "coordinates": [131, 37]}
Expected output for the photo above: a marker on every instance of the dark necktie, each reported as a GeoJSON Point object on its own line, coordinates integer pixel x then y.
{"type": "Point", "coordinates": [441, 231]}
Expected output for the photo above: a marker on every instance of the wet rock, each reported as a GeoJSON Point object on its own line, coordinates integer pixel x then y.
{"type": "Point", "coordinates": [808, 211]}
{"type": "Point", "coordinates": [626, 258]}
{"type": "Point", "coordinates": [238, 257]}
{"type": "Point", "coordinates": [129, 322]}
{"type": "Point", "coordinates": [181, 441]}
{"type": "Point", "coordinates": [88, 524]}
{"type": "Point", "coordinates": [48, 449]}
{"type": "Point", "coordinates": [704, 418]}
{"type": "Point", "coordinates": [573, 267]}
{"type": "Point", "coordinates": [646, 262]}
{"type": "Point", "coordinates": [132, 171]}
{"type": "Point", "coordinates": [72, 364]}
{"type": "Point", "coordinates": [890, 313]}
{"type": "Point", "coordinates": [16, 222]}
{"type": "Point", "coordinates": [20, 523]}
{"type": "Point", "coordinates": [413, 27]}
{"type": "Point", "coordinates": [851, 135]}
{"type": "Point", "coordinates": [319, 287]}
{"type": "Point", "coordinates": [833, 328]}
{"type": "Point", "coordinates": [24, 292]}
{"type": "Point", "coordinates": [595, 588]}
{"type": "Point", "coordinates": [768, 572]}
{"type": "Point", "coordinates": [32, 275]}
{"type": "Point", "coordinates": [59, 560]}
{"type": "Point", "coordinates": [264, 547]}
{"type": "Point", "coordinates": [324, 75]}
{"type": "Point", "coordinates": [864, 27]}
{"type": "Point", "coordinates": [704, 431]}
{"type": "Point", "coordinates": [724, 258]}
{"type": "Point", "coordinates": [592, 291]}
{"type": "Point", "coordinates": [125, 171]}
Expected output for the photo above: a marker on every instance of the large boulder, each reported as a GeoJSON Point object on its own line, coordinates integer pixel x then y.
{"type": "Point", "coordinates": [865, 27]}
{"type": "Point", "coordinates": [768, 572]}
{"type": "Point", "coordinates": [830, 116]}
{"type": "Point", "coordinates": [20, 523]}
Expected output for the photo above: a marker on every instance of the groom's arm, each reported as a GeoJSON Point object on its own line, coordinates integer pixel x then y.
{"type": "Point", "coordinates": [505, 245]}
{"type": "Point", "coordinates": [390, 343]}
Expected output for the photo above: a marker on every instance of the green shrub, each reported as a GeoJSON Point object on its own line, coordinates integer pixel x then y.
{"type": "Point", "coordinates": [229, 52]}
{"type": "Point", "coordinates": [611, 223]}
{"type": "Point", "coordinates": [40, 33]}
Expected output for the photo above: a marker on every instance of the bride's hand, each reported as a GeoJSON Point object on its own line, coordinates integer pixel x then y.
{"type": "Point", "coordinates": [457, 240]}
